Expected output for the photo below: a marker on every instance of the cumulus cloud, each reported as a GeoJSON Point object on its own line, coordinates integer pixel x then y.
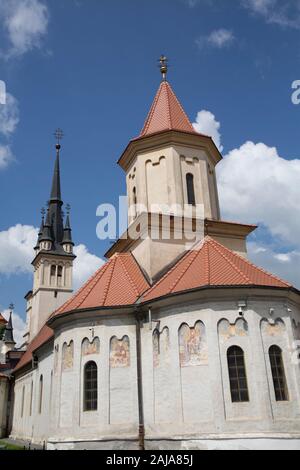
{"type": "Point", "coordinates": [16, 248]}
{"type": "Point", "coordinates": [258, 185]}
{"type": "Point", "coordinates": [25, 23]}
{"type": "Point", "coordinates": [16, 254]}
{"type": "Point", "coordinates": [6, 156]}
{"type": "Point", "coordinates": [9, 115]}
{"type": "Point", "coordinates": [285, 13]}
{"type": "Point", "coordinates": [18, 325]}
{"type": "Point", "coordinates": [218, 38]}
{"type": "Point", "coordinates": [85, 265]}
{"type": "Point", "coordinates": [207, 124]}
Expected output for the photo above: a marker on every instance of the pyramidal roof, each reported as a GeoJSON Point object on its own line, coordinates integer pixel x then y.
{"type": "Point", "coordinates": [212, 265]}
{"type": "Point", "coordinates": [119, 282]}
{"type": "Point", "coordinates": [166, 113]}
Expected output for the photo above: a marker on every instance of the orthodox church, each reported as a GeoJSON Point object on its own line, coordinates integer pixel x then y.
{"type": "Point", "coordinates": [178, 341]}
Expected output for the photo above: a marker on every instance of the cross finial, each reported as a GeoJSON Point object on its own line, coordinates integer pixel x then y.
{"type": "Point", "coordinates": [163, 66]}
{"type": "Point", "coordinates": [68, 209]}
{"type": "Point", "coordinates": [58, 136]}
{"type": "Point", "coordinates": [43, 212]}
{"type": "Point", "coordinates": [11, 307]}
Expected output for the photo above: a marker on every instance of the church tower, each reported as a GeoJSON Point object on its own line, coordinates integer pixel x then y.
{"type": "Point", "coordinates": [172, 188]}
{"type": "Point", "coordinates": [53, 263]}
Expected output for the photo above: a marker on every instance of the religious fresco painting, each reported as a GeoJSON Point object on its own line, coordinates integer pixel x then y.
{"type": "Point", "coordinates": [192, 345]}
{"type": "Point", "coordinates": [275, 328]}
{"type": "Point", "coordinates": [67, 356]}
{"type": "Point", "coordinates": [229, 330]}
{"type": "Point", "coordinates": [89, 348]}
{"type": "Point", "coordinates": [119, 352]}
{"type": "Point", "coordinates": [161, 347]}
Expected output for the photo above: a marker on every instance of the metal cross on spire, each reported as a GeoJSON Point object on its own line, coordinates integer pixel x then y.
{"type": "Point", "coordinates": [163, 66]}
{"type": "Point", "coordinates": [58, 136]}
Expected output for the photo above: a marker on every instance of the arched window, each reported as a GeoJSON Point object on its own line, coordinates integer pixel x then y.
{"type": "Point", "coordinates": [190, 189]}
{"type": "Point", "coordinates": [53, 275]}
{"type": "Point", "coordinates": [134, 196]}
{"type": "Point", "coordinates": [41, 394]}
{"type": "Point", "coordinates": [237, 375]}
{"type": "Point", "coordinates": [59, 276]}
{"type": "Point", "coordinates": [90, 387]}
{"type": "Point", "coordinates": [278, 373]}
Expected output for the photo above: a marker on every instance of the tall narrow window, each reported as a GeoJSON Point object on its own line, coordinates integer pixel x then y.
{"type": "Point", "coordinates": [41, 394]}
{"type": "Point", "coordinates": [278, 373]}
{"type": "Point", "coordinates": [59, 276]}
{"type": "Point", "coordinates": [23, 400]}
{"type": "Point", "coordinates": [134, 196]}
{"type": "Point", "coordinates": [237, 375]}
{"type": "Point", "coordinates": [31, 399]}
{"type": "Point", "coordinates": [90, 387]}
{"type": "Point", "coordinates": [190, 189]}
{"type": "Point", "coordinates": [53, 275]}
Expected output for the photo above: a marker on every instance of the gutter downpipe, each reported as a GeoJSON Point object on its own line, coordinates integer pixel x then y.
{"type": "Point", "coordinates": [139, 321]}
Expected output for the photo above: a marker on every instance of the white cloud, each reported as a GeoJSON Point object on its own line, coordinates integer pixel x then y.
{"type": "Point", "coordinates": [25, 22]}
{"type": "Point", "coordinates": [284, 265]}
{"type": "Point", "coordinates": [285, 13]}
{"type": "Point", "coordinates": [17, 253]}
{"type": "Point", "coordinates": [16, 249]}
{"type": "Point", "coordinates": [19, 327]}
{"type": "Point", "coordinates": [85, 265]}
{"type": "Point", "coordinates": [218, 38]}
{"type": "Point", "coordinates": [6, 156]}
{"type": "Point", "coordinates": [9, 115]}
{"type": "Point", "coordinates": [257, 185]}
{"type": "Point", "coordinates": [207, 124]}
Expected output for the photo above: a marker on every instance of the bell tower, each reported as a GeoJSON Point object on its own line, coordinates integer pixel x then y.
{"type": "Point", "coordinates": [53, 263]}
{"type": "Point", "coordinates": [172, 188]}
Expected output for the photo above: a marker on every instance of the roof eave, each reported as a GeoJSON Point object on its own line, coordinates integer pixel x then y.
{"type": "Point", "coordinates": [168, 136]}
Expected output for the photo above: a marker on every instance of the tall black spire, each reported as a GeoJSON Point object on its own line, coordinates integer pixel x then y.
{"type": "Point", "coordinates": [8, 336]}
{"type": "Point", "coordinates": [55, 203]}
{"type": "Point", "coordinates": [67, 230]}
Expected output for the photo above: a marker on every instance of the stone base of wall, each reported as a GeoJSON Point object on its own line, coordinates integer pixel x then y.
{"type": "Point", "coordinates": [184, 445]}
{"type": "Point", "coordinates": [225, 444]}
{"type": "Point", "coordinates": [94, 445]}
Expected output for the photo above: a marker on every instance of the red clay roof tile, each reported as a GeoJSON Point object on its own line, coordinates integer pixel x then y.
{"type": "Point", "coordinates": [41, 338]}
{"type": "Point", "coordinates": [119, 282]}
{"type": "Point", "coordinates": [211, 264]}
{"type": "Point", "coordinates": [166, 113]}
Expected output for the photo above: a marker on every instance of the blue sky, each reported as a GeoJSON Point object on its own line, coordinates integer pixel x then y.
{"type": "Point", "coordinates": [90, 67]}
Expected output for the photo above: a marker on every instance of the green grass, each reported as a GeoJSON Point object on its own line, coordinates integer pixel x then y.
{"type": "Point", "coordinates": [10, 446]}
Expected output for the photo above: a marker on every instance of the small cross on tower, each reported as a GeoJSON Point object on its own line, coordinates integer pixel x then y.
{"type": "Point", "coordinates": [58, 136]}
{"type": "Point", "coordinates": [163, 66]}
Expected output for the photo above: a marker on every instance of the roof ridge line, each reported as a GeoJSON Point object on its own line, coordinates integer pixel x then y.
{"type": "Point", "coordinates": [151, 112]}
{"type": "Point", "coordinates": [168, 105]}
{"type": "Point", "coordinates": [77, 294]}
{"type": "Point", "coordinates": [229, 261]}
{"type": "Point", "coordinates": [106, 289]}
{"type": "Point", "coordinates": [129, 278]}
{"type": "Point", "coordinates": [182, 109]}
{"type": "Point", "coordinates": [255, 266]}
{"type": "Point", "coordinates": [182, 273]}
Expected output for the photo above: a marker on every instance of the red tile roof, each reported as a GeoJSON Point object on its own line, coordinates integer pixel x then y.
{"type": "Point", "coordinates": [42, 337]}
{"type": "Point", "coordinates": [119, 282]}
{"type": "Point", "coordinates": [2, 319]}
{"type": "Point", "coordinates": [211, 264]}
{"type": "Point", "coordinates": [166, 113]}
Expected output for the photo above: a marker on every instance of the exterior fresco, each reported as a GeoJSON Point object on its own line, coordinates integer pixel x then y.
{"type": "Point", "coordinates": [119, 352]}
{"type": "Point", "coordinates": [89, 348]}
{"type": "Point", "coordinates": [161, 347]}
{"type": "Point", "coordinates": [277, 328]}
{"type": "Point", "coordinates": [68, 356]}
{"type": "Point", "coordinates": [192, 345]}
{"type": "Point", "coordinates": [230, 330]}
